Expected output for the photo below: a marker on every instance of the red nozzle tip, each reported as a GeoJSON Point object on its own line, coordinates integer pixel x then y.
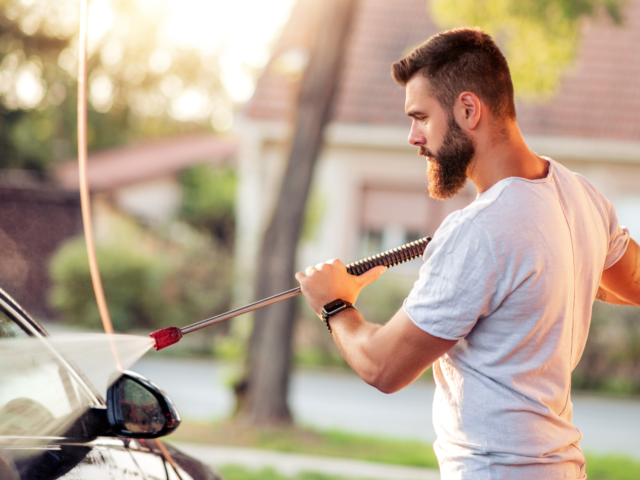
{"type": "Point", "coordinates": [165, 337]}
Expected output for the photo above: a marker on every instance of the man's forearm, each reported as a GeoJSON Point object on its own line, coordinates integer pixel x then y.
{"type": "Point", "coordinates": [608, 297]}
{"type": "Point", "coordinates": [353, 334]}
{"type": "Point", "coordinates": [388, 357]}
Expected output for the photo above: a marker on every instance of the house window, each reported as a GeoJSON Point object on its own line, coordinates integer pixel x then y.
{"type": "Point", "coordinates": [393, 217]}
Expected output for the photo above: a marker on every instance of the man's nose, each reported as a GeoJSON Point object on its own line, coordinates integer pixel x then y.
{"type": "Point", "coordinates": [415, 137]}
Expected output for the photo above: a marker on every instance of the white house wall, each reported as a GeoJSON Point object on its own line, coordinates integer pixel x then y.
{"type": "Point", "coordinates": [152, 201]}
{"type": "Point", "coordinates": [261, 161]}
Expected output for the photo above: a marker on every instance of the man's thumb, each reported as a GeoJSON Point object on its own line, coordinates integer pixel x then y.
{"type": "Point", "coordinates": [372, 275]}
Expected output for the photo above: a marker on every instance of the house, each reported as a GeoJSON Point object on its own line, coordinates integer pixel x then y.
{"type": "Point", "coordinates": [141, 179]}
{"type": "Point", "coordinates": [35, 218]}
{"type": "Point", "coordinates": [369, 184]}
{"type": "Point", "coordinates": [138, 180]}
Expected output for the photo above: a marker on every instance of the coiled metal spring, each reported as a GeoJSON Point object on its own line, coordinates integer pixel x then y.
{"type": "Point", "coordinates": [390, 258]}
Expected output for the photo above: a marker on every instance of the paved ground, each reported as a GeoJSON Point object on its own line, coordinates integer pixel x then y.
{"type": "Point", "coordinates": [292, 464]}
{"type": "Point", "coordinates": [342, 401]}
{"type": "Point", "coordinates": [326, 400]}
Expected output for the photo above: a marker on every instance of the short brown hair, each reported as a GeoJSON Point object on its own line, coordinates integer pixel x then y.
{"type": "Point", "coordinates": [458, 60]}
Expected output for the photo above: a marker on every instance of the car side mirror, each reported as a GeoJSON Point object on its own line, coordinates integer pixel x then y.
{"type": "Point", "coordinates": [137, 408]}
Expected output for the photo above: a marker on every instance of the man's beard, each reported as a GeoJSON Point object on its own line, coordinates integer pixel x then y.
{"type": "Point", "coordinates": [447, 168]}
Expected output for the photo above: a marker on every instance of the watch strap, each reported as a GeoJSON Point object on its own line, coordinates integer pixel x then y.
{"type": "Point", "coordinates": [333, 308]}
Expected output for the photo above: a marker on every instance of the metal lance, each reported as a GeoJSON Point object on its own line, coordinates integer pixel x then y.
{"type": "Point", "coordinates": [170, 335]}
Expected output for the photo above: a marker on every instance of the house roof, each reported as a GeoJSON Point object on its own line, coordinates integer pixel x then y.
{"type": "Point", "coordinates": [598, 97]}
{"type": "Point", "coordinates": [144, 161]}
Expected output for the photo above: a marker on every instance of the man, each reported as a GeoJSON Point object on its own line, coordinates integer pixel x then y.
{"type": "Point", "coordinates": [504, 297]}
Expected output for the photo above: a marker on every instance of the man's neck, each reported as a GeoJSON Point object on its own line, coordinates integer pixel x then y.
{"type": "Point", "coordinates": [503, 156]}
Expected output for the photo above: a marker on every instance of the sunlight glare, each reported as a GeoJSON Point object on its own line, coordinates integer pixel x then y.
{"type": "Point", "coordinates": [100, 18]}
{"type": "Point", "coordinates": [237, 35]}
{"type": "Point", "coordinates": [190, 105]}
{"type": "Point", "coordinates": [240, 30]}
{"type": "Point", "coordinates": [101, 91]}
{"type": "Point", "coordinates": [29, 85]}
{"type": "Point", "coordinates": [222, 119]}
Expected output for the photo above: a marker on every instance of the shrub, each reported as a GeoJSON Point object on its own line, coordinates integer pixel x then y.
{"type": "Point", "coordinates": [611, 359]}
{"type": "Point", "coordinates": [126, 278]}
{"type": "Point", "coordinates": [208, 200]}
{"type": "Point", "coordinates": [146, 286]}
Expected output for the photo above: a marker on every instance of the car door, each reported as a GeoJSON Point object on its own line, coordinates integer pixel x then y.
{"type": "Point", "coordinates": [47, 411]}
{"type": "Point", "coordinates": [42, 399]}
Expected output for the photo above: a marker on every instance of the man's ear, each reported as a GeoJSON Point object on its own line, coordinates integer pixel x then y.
{"type": "Point", "coordinates": [469, 110]}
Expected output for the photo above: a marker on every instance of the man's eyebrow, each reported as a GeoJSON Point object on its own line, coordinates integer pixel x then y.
{"type": "Point", "coordinates": [414, 113]}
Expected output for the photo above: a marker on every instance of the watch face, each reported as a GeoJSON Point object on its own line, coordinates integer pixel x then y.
{"type": "Point", "coordinates": [330, 307]}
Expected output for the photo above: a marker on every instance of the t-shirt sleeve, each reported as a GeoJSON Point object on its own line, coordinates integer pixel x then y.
{"type": "Point", "coordinates": [618, 238]}
{"type": "Point", "coordinates": [458, 283]}
{"type": "Point", "coordinates": [618, 235]}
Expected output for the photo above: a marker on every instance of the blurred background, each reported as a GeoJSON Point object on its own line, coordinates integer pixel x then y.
{"type": "Point", "coordinates": [194, 112]}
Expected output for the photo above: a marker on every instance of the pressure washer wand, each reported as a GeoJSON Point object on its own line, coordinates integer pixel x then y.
{"type": "Point", "coordinates": [170, 335]}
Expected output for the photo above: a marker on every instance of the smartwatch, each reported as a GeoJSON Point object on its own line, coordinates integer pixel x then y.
{"type": "Point", "coordinates": [333, 308]}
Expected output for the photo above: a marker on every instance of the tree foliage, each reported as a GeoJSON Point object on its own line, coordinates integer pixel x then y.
{"type": "Point", "coordinates": [208, 200]}
{"type": "Point", "coordinates": [540, 37]}
{"type": "Point", "coordinates": [148, 285]}
{"type": "Point", "coordinates": [611, 358]}
{"type": "Point", "coordinates": [140, 84]}
{"type": "Point", "coordinates": [126, 275]}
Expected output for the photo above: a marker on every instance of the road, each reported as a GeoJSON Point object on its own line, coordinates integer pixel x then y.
{"type": "Point", "coordinates": [340, 400]}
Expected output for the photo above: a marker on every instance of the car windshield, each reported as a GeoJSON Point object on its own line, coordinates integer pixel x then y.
{"type": "Point", "coordinates": [40, 395]}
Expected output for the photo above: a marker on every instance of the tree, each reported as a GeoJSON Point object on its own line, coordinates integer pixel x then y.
{"type": "Point", "coordinates": [541, 37]}
{"type": "Point", "coordinates": [139, 82]}
{"type": "Point", "coordinates": [270, 344]}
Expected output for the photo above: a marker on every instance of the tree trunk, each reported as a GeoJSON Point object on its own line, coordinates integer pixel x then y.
{"type": "Point", "coordinates": [269, 363]}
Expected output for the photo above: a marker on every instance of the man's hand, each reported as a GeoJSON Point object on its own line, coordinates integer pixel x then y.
{"type": "Point", "coordinates": [330, 281]}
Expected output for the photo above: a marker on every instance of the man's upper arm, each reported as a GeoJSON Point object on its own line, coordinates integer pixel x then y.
{"type": "Point", "coordinates": [409, 350]}
{"type": "Point", "coordinates": [623, 277]}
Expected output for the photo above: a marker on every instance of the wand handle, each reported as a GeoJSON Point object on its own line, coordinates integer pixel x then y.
{"type": "Point", "coordinates": [390, 258]}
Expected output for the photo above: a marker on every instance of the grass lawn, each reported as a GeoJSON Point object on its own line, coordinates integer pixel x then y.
{"type": "Point", "coordinates": [346, 445]}
{"type": "Point", "coordinates": [303, 440]}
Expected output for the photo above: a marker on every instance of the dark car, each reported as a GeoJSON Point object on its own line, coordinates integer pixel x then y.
{"type": "Point", "coordinates": [68, 431]}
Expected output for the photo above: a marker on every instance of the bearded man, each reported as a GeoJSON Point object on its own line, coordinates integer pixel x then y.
{"type": "Point", "coordinates": [503, 301]}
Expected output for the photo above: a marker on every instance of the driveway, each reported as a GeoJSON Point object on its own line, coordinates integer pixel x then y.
{"type": "Point", "coordinates": [340, 400]}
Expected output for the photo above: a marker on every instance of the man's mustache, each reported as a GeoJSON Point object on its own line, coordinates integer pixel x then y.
{"type": "Point", "coordinates": [426, 153]}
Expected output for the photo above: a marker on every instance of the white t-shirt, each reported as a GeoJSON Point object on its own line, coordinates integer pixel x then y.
{"type": "Point", "coordinates": [513, 277]}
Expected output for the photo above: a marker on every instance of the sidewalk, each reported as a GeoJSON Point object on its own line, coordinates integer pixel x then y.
{"type": "Point", "coordinates": [292, 464]}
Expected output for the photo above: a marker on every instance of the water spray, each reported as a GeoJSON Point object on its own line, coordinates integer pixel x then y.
{"type": "Point", "coordinates": [170, 335]}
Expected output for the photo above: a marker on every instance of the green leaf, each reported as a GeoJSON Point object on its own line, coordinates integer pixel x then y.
{"type": "Point", "coordinates": [540, 38]}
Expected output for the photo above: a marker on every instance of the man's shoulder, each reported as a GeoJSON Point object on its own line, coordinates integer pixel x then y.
{"type": "Point", "coordinates": [467, 224]}
{"type": "Point", "coordinates": [500, 214]}
{"type": "Point", "coordinates": [486, 210]}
